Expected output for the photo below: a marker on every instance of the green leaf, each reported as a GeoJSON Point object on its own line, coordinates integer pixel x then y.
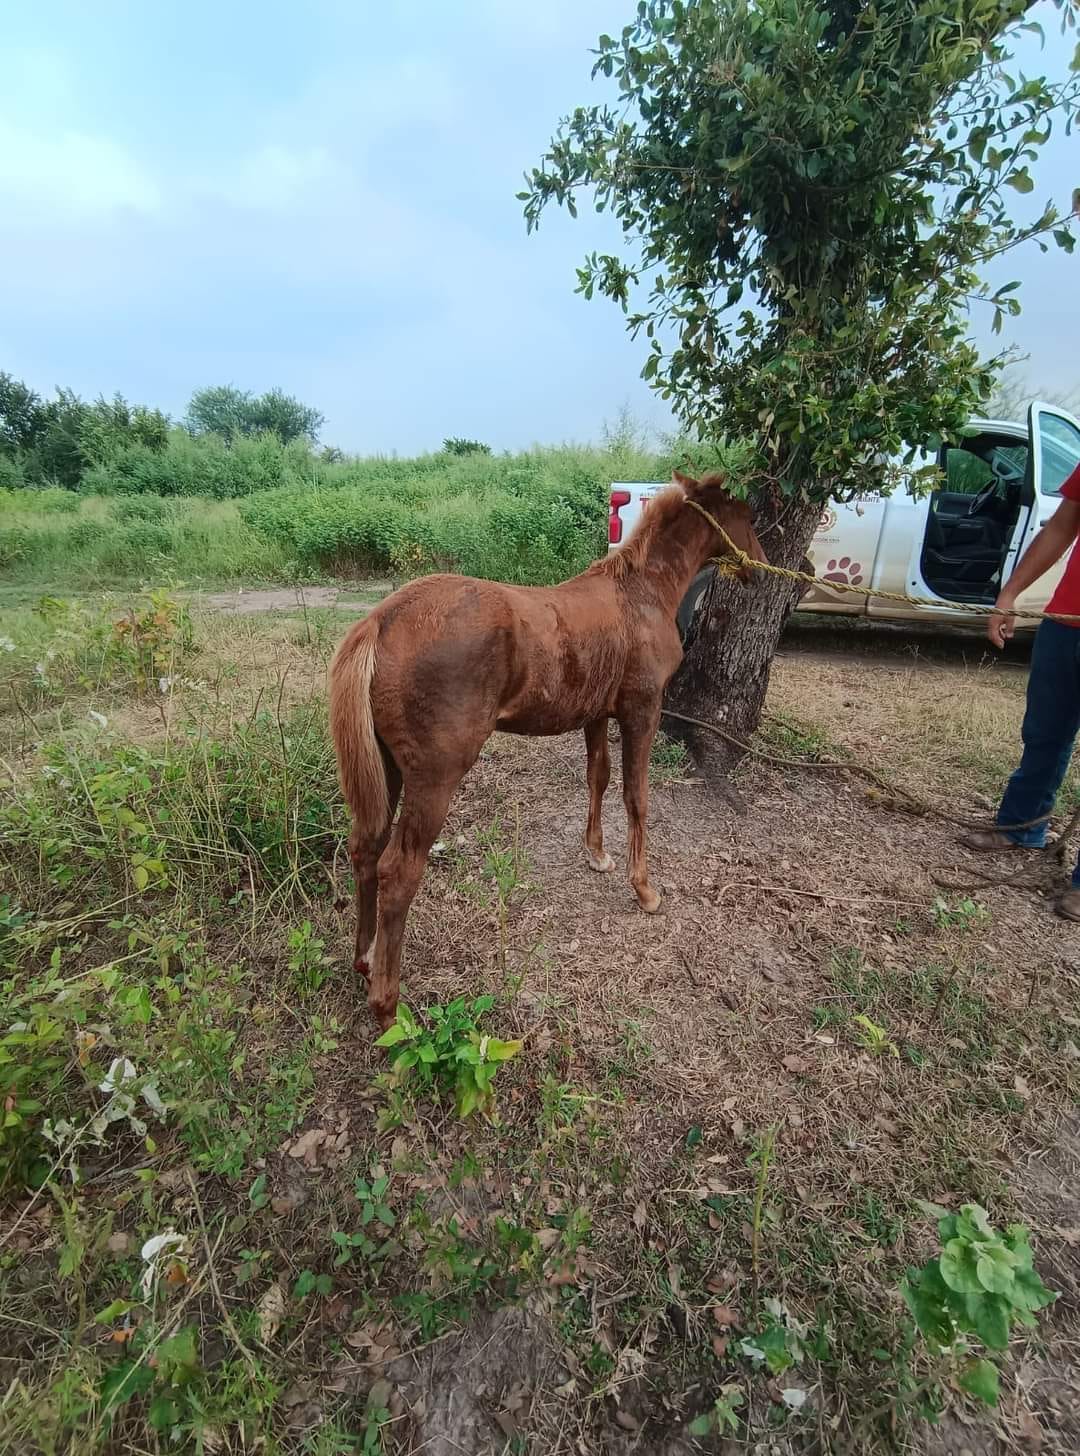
{"type": "Point", "coordinates": [701, 1425]}
{"type": "Point", "coordinates": [179, 1350]}
{"type": "Point", "coordinates": [693, 1138]}
{"type": "Point", "coordinates": [1029, 1292]}
{"type": "Point", "coordinates": [385, 1215]}
{"type": "Point", "coordinates": [988, 1316]}
{"type": "Point", "coordinates": [140, 877]}
{"type": "Point", "coordinates": [163, 1413]}
{"type": "Point", "coordinates": [113, 1311]}
{"type": "Point", "coordinates": [959, 1267]}
{"type": "Point", "coordinates": [392, 1036]}
{"type": "Point", "coordinates": [1021, 180]}
{"type": "Point", "coordinates": [502, 1051]}
{"type": "Point", "coordinates": [926, 1309]}
{"type": "Point", "coordinates": [1064, 239]}
{"type": "Point", "coordinates": [980, 1379]}
{"type": "Point", "coordinates": [996, 1269]}
{"type": "Point", "coordinates": [122, 1382]}
{"type": "Point", "coordinates": [468, 1097]}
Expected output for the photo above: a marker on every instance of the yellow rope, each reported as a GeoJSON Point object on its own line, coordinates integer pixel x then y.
{"type": "Point", "coordinates": [739, 559]}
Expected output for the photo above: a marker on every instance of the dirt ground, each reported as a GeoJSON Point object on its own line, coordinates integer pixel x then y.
{"type": "Point", "coordinates": [663, 1053]}
{"type": "Point", "coordinates": [725, 992]}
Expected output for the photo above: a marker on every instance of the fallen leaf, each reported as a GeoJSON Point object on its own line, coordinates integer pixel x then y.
{"type": "Point", "coordinates": [547, 1238]}
{"type": "Point", "coordinates": [640, 1216]}
{"type": "Point", "coordinates": [1029, 1430]}
{"type": "Point", "coordinates": [271, 1313]}
{"type": "Point", "coordinates": [793, 1397]}
{"type": "Point", "coordinates": [627, 1421]}
{"type": "Point", "coordinates": [119, 1243]}
{"type": "Point", "coordinates": [797, 1065]}
{"type": "Point", "coordinates": [1070, 1235]}
{"type": "Point", "coordinates": [824, 1038]}
{"type": "Point", "coordinates": [719, 1346]}
{"type": "Point", "coordinates": [724, 1315]}
{"type": "Point", "coordinates": [285, 1203]}
{"type": "Point", "coordinates": [305, 1148]}
{"type": "Point", "coordinates": [1022, 1088]}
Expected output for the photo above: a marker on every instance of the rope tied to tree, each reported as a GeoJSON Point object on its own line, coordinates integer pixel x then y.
{"type": "Point", "coordinates": [738, 560]}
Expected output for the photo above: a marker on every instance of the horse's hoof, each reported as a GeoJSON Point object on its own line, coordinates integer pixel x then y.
{"type": "Point", "coordinates": [649, 900]}
{"type": "Point", "coordinates": [602, 863]}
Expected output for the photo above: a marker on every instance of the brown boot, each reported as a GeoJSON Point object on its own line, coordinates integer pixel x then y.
{"type": "Point", "coordinates": [988, 841]}
{"type": "Point", "coordinates": [1068, 905]}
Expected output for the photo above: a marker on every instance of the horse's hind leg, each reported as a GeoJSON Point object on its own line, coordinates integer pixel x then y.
{"type": "Point", "coordinates": [365, 848]}
{"type": "Point", "coordinates": [401, 868]}
{"type": "Point", "coordinates": [598, 775]}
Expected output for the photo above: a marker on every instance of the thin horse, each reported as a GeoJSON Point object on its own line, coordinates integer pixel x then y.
{"type": "Point", "coordinates": [418, 686]}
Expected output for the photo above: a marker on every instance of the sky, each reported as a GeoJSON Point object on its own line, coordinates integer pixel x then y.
{"type": "Point", "coordinates": [320, 197]}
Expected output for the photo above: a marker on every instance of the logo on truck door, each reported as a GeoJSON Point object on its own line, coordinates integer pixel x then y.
{"type": "Point", "coordinates": [827, 522]}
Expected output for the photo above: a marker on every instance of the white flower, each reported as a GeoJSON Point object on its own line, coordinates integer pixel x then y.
{"type": "Point", "coordinates": [152, 1250]}
{"type": "Point", "coordinates": [6, 644]}
{"type": "Point", "coordinates": [164, 684]}
{"type": "Point", "coordinates": [99, 718]}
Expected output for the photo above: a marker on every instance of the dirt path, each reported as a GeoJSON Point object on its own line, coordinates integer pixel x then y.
{"type": "Point", "coordinates": [245, 601]}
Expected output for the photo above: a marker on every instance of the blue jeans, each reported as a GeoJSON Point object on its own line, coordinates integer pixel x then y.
{"type": "Point", "coordinates": [1051, 722]}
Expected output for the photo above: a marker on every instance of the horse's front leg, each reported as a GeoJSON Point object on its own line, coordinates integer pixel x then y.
{"type": "Point", "coordinates": [638, 731]}
{"type": "Point", "coordinates": [598, 774]}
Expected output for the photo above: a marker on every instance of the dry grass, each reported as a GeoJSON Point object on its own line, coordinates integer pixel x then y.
{"type": "Point", "coordinates": [661, 1055]}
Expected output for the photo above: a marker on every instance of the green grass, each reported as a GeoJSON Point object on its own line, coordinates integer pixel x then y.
{"type": "Point", "coordinates": [175, 896]}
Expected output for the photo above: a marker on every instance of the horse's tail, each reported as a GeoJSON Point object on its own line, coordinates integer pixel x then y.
{"type": "Point", "coordinates": [359, 756]}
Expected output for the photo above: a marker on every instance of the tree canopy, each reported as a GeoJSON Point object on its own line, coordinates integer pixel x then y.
{"type": "Point", "coordinates": [809, 191]}
{"type": "Point", "coordinates": [227, 411]}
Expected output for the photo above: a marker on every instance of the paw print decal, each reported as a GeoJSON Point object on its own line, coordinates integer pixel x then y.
{"type": "Point", "coordinates": [845, 571]}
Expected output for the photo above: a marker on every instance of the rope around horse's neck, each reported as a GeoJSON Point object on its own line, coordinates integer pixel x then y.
{"type": "Point", "coordinates": [739, 560]}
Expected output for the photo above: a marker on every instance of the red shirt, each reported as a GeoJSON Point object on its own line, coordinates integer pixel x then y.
{"type": "Point", "coordinates": [1066, 598]}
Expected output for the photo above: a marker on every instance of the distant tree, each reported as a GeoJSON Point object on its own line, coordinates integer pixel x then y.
{"type": "Point", "coordinates": [22, 415]}
{"type": "Point", "coordinates": [808, 191]}
{"type": "Point", "coordinates": [456, 445]}
{"type": "Point", "coordinates": [108, 426]}
{"type": "Point", "coordinates": [1013, 392]}
{"type": "Point", "coordinates": [224, 410]}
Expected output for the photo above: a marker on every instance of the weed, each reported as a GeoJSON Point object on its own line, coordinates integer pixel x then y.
{"type": "Point", "coordinates": [309, 966]}
{"type": "Point", "coordinates": [668, 760]}
{"type": "Point", "coordinates": [980, 1284]}
{"type": "Point", "coordinates": [963, 914]}
{"type": "Point", "coordinates": [722, 1416]}
{"type": "Point", "coordinates": [451, 1054]}
{"type": "Point", "coordinates": [873, 1038]}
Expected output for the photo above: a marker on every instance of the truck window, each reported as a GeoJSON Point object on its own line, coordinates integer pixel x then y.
{"type": "Point", "coordinates": [1060, 452]}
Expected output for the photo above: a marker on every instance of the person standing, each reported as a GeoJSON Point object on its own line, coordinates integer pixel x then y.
{"type": "Point", "coordinates": [1052, 715]}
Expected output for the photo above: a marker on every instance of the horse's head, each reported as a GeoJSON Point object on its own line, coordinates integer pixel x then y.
{"type": "Point", "coordinates": [711, 494]}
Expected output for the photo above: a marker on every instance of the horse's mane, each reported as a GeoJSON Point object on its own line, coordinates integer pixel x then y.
{"type": "Point", "coordinates": [652, 522]}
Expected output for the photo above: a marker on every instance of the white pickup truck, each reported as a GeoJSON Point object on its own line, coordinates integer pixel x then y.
{"type": "Point", "coordinates": [955, 546]}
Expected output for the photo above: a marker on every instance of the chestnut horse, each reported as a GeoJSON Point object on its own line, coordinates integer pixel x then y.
{"type": "Point", "coordinates": [417, 687]}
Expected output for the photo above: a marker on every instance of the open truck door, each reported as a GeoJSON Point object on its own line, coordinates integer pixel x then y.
{"type": "Point", "coordinates": [1053, 455]}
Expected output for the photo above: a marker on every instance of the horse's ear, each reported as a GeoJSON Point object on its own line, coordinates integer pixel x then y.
{"type": "Point", "coordinates": [687, 482]}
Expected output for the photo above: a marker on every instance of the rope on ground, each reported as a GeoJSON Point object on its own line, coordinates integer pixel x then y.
{"type": "Point", "coordinates": [896, 796]}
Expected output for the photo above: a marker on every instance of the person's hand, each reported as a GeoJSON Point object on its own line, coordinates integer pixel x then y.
{"type": "Point", "coordinates": [1002, 624]}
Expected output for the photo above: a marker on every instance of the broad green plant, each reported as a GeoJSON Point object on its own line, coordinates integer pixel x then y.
{"type": "Point", "coordinates": [976, 1289]}
{"type": "Point", "coordinates": [450, 1054]}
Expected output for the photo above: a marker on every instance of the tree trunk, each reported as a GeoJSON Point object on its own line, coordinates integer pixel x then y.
{"type": "Point", "coordinates": [730, 645]}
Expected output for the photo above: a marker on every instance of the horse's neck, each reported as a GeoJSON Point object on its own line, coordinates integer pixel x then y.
{"type": "Point", "coordinates": [675, 556]}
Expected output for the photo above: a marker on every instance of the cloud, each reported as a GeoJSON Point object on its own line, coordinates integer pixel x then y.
{"type": "Point", "coordinates": [73, 172]}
